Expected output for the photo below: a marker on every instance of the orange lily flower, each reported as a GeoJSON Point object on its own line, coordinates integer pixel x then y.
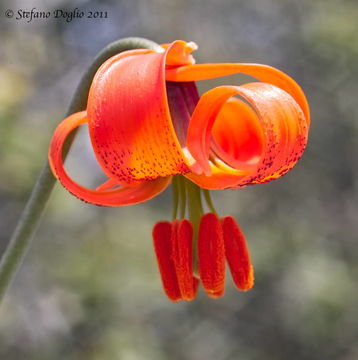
{"type": "Point", "coordinates": [148, 124]}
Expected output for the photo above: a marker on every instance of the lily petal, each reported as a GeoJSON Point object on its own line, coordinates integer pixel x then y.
{"type": "Point", "coordinates": [125, 195]}
{"type": "Point", "coordinates": [277, 125]}
{"type": "Point", "coordinates": [128, 115]}
{"type": "Point", "coordinates": [261, 72]}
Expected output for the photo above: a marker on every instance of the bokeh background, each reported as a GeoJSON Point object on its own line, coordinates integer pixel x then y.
{"type": "Point", "coordinates": [89, 286]}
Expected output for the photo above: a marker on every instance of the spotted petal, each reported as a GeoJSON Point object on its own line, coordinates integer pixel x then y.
{"type": "Point", "coordinates": [252, 139]}
{"type": "Point", "coordinates": [124, 195]}
{"type": "Point", "coordinates": [128, 115]}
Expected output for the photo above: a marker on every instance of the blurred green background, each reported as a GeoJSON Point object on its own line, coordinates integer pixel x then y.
{"type": "Point", "coordinates": [89, 287]}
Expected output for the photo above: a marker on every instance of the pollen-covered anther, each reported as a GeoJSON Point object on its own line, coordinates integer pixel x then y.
{"type": "Point", "coordinates": [162, 239]}
{"type": "Point", "coordinates": [237, 254]}
{"type": "Point", "coordinates": [211, 255]}
{"type": "Point", "coordinates": [182, 256]}
{"type": "Point", "coordinates": [173, 248]}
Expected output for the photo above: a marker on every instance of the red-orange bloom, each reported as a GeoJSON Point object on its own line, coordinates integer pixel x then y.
{"type": "Point", "coordinates": [147, 123]}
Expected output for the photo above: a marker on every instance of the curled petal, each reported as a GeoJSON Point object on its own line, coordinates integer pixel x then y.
{"type": "Point", "coordinates": [211, 255]}
{"type": "Point", "coordinates": [128, 115]}
{"type": "Point", "coordinates": [180, 53]}
{"type": "Point", "coordinates": [274, 126]}
{"type": "Point", "coordinates": [125, 195]}
{"type": "Point", "coordinates": [261, 72]}
{"type": "Point", "coordinates": [242, 150]}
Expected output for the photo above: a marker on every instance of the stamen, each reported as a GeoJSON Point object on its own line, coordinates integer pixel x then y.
{"type": "Point", "coordinates": [162, 233]}
{"type": "Point", "coordinates": [182, 256]}
{"type": "Point", "coordinates": [237, 254]}
{"type": "Point", "coordinates": [211, 254]}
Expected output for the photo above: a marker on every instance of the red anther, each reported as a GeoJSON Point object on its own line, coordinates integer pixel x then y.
{"type": "Point", "coordinates": [162, 238]}
{"type": "Point", "coordinates": [182, 255]}
{"type": "Point", "coordinates": [237, 254]}
{"type": "Point", "coordinates": [211, 255]}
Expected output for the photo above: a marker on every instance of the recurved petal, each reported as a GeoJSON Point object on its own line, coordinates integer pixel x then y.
{"type": "Point", "coordinates": [261, 72]}
{"type": "Point", "coordinates": [128, 115]}
{"type": "Point", "coordinates": [180, 53]}
{"type": "Point", "coordinates": [124, 195]}
{"type": "Point", "coordinates": [237, 143]}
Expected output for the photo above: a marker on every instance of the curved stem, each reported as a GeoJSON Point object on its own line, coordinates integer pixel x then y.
{"type": "Point", "coordinates": [31, 215]}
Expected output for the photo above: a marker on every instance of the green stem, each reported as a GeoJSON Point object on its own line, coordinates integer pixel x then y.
{"type": "Point", "coordinates": [176, 194]}
{"type": "Point", "coordinates": [195, 213]}
{"type": "Point", "coordinates": [209, 202]}
{"type": "Point", "coordinates": [30, 218]}
{"type": "Point", "coordinates": [182, 196]}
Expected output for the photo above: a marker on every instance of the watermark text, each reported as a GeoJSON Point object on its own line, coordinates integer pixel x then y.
{"type": "Point", "coordinates": [34, 14]}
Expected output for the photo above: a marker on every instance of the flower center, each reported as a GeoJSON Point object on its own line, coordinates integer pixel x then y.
{"type": "Point", "coordinates": [187, 199]}
{"type": "Point", "coordinates": [194, 246]}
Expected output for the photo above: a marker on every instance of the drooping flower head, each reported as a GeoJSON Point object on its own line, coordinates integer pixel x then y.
{"type": "Point", "coordinates": [149, 126]}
